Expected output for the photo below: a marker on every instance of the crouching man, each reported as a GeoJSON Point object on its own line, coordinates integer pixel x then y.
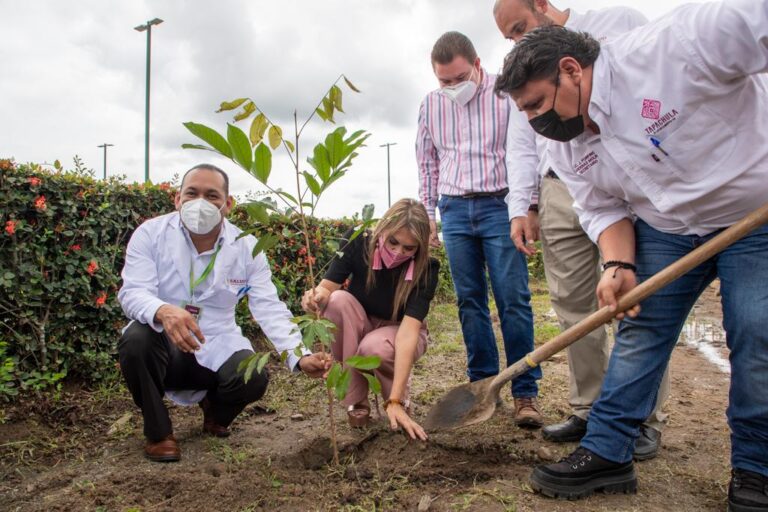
{"type": "Point", "coordinates": [184, 274]}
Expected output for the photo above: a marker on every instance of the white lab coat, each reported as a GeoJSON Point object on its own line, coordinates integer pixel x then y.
{"type": "Point", "coordinates": [526, 150]}
{"type": "Point", "coordinates": [157, 272]}
{"type": "Point", "coordinates": [688, 80]}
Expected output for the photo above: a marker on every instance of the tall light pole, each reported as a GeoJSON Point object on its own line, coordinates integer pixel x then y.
{"type": "Point", "coordinates": [148, 28]}
{"type": "Point", "coordinates": [389, 188]}
{"type": "Point", "coordinates": [105, 146]}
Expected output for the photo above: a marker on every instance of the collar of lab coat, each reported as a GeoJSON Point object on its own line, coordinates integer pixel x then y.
{"type": "Point", "coordinates": [601, 86]}
{"type": "Point", "coordinates": [180, 249]}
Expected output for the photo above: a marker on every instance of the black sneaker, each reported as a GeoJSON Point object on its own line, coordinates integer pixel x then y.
{"type": "Point", "coordinates": [582, 473]}
{"type": "Point", "coordinates": [748, 492]}
{"type": "Point", "coordinates": [569, 431]}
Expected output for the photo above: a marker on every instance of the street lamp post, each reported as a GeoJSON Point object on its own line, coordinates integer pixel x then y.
{"type": "Point", "coordinates": [105, 146]}
{"type": "Point", "coordinates": [148, 28]}
{"type": "Point", "coordinates": [389, 189]}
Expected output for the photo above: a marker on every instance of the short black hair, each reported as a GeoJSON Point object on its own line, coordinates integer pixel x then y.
{"type": "Point", "coordinates": [208, 167]}
{"type": "Point", "coordinates": [537, 56]}
{"type": "Point", "coordinates": [450, 45]}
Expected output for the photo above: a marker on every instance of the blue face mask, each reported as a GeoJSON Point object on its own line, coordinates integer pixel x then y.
{"type": "Point", "coordinates": [550, 125]}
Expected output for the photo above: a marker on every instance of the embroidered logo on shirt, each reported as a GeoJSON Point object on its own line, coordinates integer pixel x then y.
{"type": "Point", "coordinates": [236, 282]}
{"type": "Point", "coordinates": [651, 109]}
{"type": "Point", "coordinates": [586, 163]}
{"type": "Point", "coordinates": [661, 123]}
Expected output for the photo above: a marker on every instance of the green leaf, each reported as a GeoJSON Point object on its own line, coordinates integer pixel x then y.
{"type": "Point", "coordinates": [320, 112]}
{"type": "Point", "coordinates": [350, 85]}
{"type": "Point", "coordinates": [368, 211]}
{"type": "Point", "coordinates": [275, 136]}
{"type": "Point", "coordinates": [258, 127]}
{"type": "Point", "coordinates": [249, 109]}
{"type": "Point", "coordinates": [342, 386]}
{"type": "Point", "coordinates": [373, 383]}
{"type": "Point", "coordinates": [312, 183]}
{"type": "Point", "coordinates": [262, 162]}
{"type": "Point", "coordinates": [333, 376]}
{"type": "Point", "coordinates": [334, 143]}
{"type": "Point", "coordinates": [320, 163]}
{"type": "Point", "coordinates": [363, 362]}
{"type": "Point", "coordinates": [257, 212]}
{"type": "Point", "coordinates": [210, 137]}
{"type": "Point", "coordinates": [262, 362]}
{"type": "Point", "coordinates": [231, 105]}
{"type": "Point", "coordinates": [335, 96]}
{"type": "Point", "coordinates": [197, 146]}
{"type": "Point", "coordinates": [328, 107]}
{"type": "Point", "coordinates": [265, 243]}
{"type": "Point", "coordinates": [290, 145]}
{"type": "Point", "coordinates": [288, 196]}
{"type": "Point", "coordinates": [241, 147]}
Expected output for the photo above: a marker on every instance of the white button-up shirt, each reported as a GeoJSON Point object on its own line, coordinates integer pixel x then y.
{"type": "Point", "coordinates": [157, 272]}
{"type": "Point", "coordinates": [526, 150]}
{"type": "Point", "coordinates": [683, 120]}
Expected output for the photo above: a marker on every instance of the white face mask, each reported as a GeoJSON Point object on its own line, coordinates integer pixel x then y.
{"type": "Point", "coordinates": [200, 216]}
{"type": "Point", "coordinates": [460, 93]}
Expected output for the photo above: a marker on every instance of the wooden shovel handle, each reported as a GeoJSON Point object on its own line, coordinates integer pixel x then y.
{"type": "Point", "coordinates": [642, 291]}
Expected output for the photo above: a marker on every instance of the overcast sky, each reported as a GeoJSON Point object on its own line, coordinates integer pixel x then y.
{"type": "Point", "coordinates": [74, 78]}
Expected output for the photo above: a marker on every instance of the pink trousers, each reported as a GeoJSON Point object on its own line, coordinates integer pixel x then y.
{"type": "Point", "coordinates": [359, 334]}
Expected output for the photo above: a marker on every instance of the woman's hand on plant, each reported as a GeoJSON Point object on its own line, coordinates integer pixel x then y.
{"type": "Point", "coordinates": [179, 326]}
{"type": "Point", "coordinates": [315, 365]}
{"type": "Point", "coordinates": [398, 417]}
{"type": "Point", "coordinates": [315, 300]}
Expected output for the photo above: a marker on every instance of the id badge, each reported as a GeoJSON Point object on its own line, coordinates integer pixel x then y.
{"type": "Point", "coordinates": [195, 311]}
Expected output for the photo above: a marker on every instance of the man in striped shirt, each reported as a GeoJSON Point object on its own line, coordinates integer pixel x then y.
{"type": "Point", "coordinates": [461, 148]}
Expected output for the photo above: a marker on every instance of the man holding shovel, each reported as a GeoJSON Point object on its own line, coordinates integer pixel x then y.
{"type": "Point", "coordinates": [571, 259]}
{"type": "Point", "coordinates": [664, 137]}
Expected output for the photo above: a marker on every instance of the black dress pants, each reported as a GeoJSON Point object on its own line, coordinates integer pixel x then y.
{"type": "Point", "coordinates": [151, 364]}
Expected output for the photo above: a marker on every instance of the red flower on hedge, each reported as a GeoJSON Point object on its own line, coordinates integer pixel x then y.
{"type": "Point", "coordinates": [10, 227]}
{"type": "Point", "coordinates": [93, 266]}
{"type": "Point", "coordinates": [101, 299]}
{"type": "Point", "coordinates": [75, 247]}
{"type": "Point", "coordinates": [39, 203]}
{"type": "Point", "coordinates": [34, 181]}
{"type": "Point", "coordinates": [164, 186]}
{"type": "Point", "coordinates": [303, 251]}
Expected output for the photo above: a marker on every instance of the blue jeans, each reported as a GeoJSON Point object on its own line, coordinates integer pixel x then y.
{"type": "Point", "coordinates": [476, 236]}
{"type": "Point", "coordinates": [644, 345]}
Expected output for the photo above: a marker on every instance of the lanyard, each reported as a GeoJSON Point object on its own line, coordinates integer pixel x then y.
{"type": "Point", "coordinates": [194, 283]}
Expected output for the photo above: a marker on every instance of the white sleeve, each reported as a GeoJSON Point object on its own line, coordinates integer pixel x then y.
{"type": "Point", "coordinates": [522, 165]}
{"type": "Point", "coordinates": [269, 311]}
{"type": "Point", "coordinates": [729, 39]}
{"type": "Point", "coordinates": [596, 208]}
{"type": "Point", "coordinates": [138, 295]}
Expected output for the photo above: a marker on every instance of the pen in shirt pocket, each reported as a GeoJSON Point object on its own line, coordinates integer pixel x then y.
{"type": "Point", "coordinates": [242, 291]}
{"type": "Point", "coordinates": [657, 144]}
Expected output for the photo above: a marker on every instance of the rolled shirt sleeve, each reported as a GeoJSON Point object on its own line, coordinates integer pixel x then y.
{"type": "Point", "coordinates": [269, 311]}
{"type": "Point", "coordinates": [139, 294]}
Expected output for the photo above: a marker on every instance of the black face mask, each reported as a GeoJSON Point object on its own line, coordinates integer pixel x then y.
{"type": "Point", "coordinates": [550, 125]}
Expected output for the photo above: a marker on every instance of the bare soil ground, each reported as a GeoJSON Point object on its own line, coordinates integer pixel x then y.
{"type": "Point", "coordinates": [83, 450]}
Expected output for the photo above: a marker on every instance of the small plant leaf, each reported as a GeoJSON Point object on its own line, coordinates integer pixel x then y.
{"type": "Point", "coordinates": [333, 376]}
{"type": "Point", "coordinates": [342, 386]}
{"type": "Point", "coordinates": [312, 183]}
{"type": "Point", "coordinates": [262, 362]}
{"type": "Point", "coordinates": [373, 383]}
{"type": "Point", "coordinates": [231, 105]}
{"type": "Point", "coordinates": [363, 362]}
{"type": "Point", "coordinates": [262, 162]}
{"type": "Point", "coordinates": [335, 96]}
{"type": "Point", "coordinates": [351, 85]}
{"type": "Point", "coordinates": [249, 109]}
{"type": "Point", "coordinates": [368, 212]}
{"type": "Point", "coordinates": [241, 147]}
{"type": "Point", "coordinates": [265, 243]}
{"type": "Point", "coordinates": [290, 145]}
{"type": "Point", "coordinates": [275, 136]}
{"type": "Point", "coordinates": [258, 127]}
{"type": "Point", "coordinates": [210, 137]}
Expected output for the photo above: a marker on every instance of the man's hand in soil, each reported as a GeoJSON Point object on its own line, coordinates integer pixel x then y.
{"type": "Point", "coordinates": [179, 326]}
{"type": "Point", "coordinates": [399, 418]}
{"type": "Point", "coordinates": [615, 283]}
{"type": "Point", "coordinates": [315, 365]}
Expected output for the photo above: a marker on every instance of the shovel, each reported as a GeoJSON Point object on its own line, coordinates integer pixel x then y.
{"type": "Point", "coordinates": [476, 402]}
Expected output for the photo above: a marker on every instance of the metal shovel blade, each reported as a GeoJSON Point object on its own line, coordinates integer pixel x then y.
{"type": "Point", "coordinates": [470, 403]}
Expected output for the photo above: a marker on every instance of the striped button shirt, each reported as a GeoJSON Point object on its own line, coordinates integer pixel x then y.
{"type": "Point", "coordinates": [461, 150]}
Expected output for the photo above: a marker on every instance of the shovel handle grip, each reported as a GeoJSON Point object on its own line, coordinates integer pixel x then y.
{"type": "Point", "coordinates": [641, 292]}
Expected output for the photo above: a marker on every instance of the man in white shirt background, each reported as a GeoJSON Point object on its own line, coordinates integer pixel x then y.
{"type": "Point", "coordinates": [184, 274]}
{"type": "Point", "coordinates": [666, 126]}
{"type": "Point", "coordinates": [571, 260]}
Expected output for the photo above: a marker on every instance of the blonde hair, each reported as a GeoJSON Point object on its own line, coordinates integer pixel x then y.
{"type": "Point", "coordinates": [411, 215]}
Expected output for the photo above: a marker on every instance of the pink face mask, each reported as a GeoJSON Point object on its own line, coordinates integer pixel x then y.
{"type": "Point", "coordinates": [384, 254]}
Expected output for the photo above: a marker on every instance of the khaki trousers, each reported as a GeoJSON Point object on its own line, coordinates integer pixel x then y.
{"type": "Point", "coordinates": [572, 269]}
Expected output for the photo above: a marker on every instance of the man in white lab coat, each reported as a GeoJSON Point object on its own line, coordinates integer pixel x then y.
{"type": "Point", "coordinates": [539, 201]}
{"type": "Point", "coordinates": [664, 135]}
{"type": "Point", "coordinates": [184, 274]}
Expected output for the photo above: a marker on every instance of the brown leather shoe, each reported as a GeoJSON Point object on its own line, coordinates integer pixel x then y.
{"type": "Point", "coordinates": [527, 413]}
{"type": "Point", "coordinates": [165, 450]}
{"type": "Point", "coordinates": [210, 426]}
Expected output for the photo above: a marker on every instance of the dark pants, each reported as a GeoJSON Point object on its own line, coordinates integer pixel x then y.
{"type": "Point", "coordinates": [151, 364]}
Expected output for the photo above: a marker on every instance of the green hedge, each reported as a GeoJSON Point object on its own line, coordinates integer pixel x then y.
{"type": "Point", "coordinates": [62, 241]}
